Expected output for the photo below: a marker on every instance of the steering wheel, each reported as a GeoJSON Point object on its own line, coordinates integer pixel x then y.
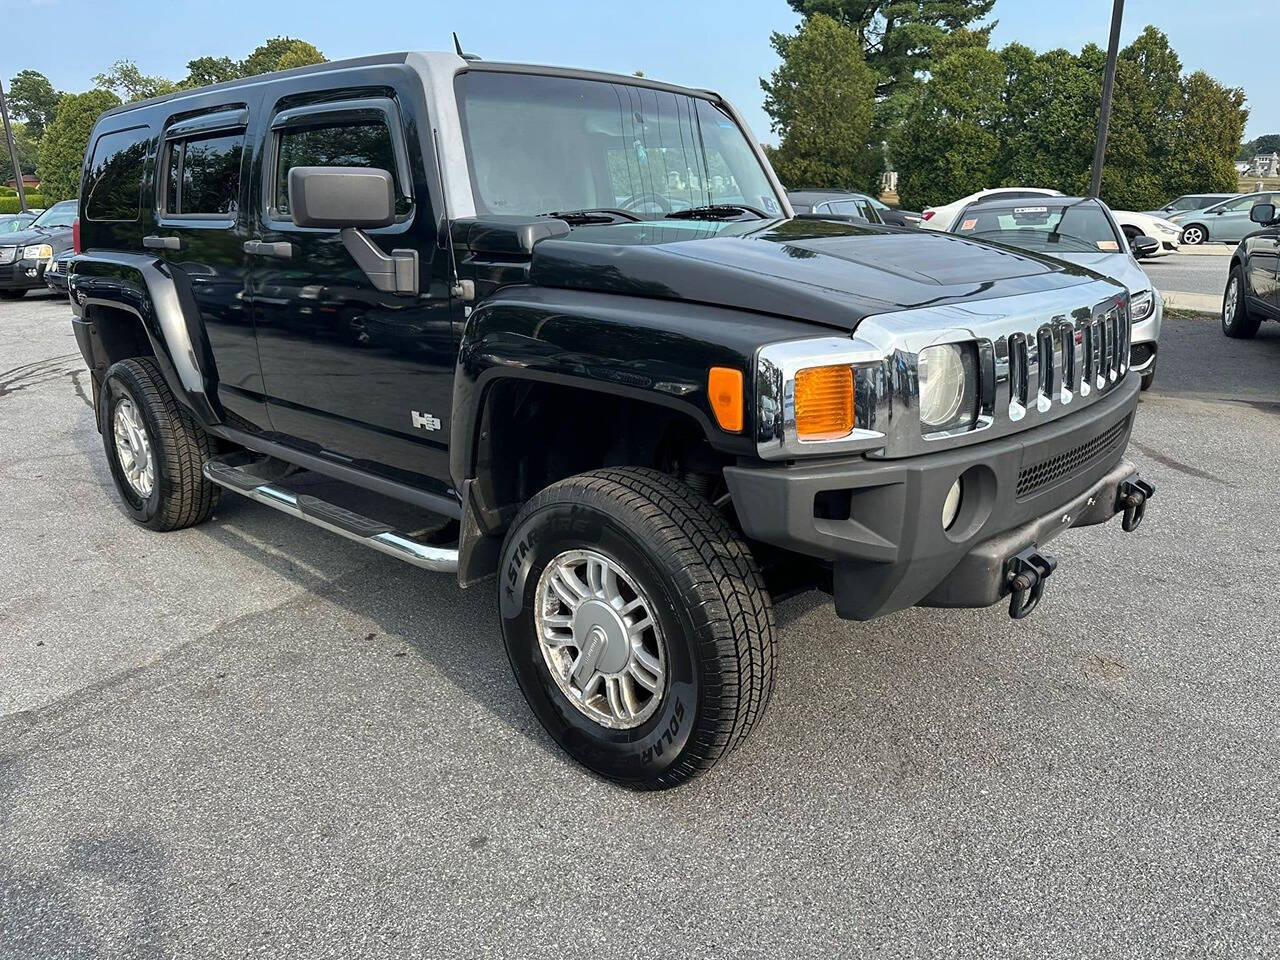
{"type": "Point", "coordinates": [640, 199]}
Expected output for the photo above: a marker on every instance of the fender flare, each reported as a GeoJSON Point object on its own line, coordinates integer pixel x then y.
{"type": "Point", "coordinates": [162, 300]}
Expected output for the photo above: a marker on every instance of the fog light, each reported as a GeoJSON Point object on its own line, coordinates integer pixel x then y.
{"type": "Point", "coordinates": [951, 506]}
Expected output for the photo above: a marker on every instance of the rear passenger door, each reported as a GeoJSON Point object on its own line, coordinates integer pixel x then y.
{"type": "Point", "coordinates": [358, 375]}
{"type": "Point", "coordinates": [200, 227]}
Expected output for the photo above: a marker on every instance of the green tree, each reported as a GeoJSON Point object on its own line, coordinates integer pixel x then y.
{"type": "Point", "coordinates": [821, 103]}
{"type": "Point", "coordinates": [280, 53]}
{"type": "Point", "coordinates": [125, 79]}
{"type": "Point", "coordinates": [949, 144]}
{"type": "Point", "coordinates": [33, 100]}
{"type": "Point", "coordinates": [28, 148]}
{"type": "Point", "coordinates": [899, 37]}
{"type": "Point", "coordinates": [1213, 119]}
{"type": "Point", "coordinates": [1267, 143]}
{"type": "Point", "coordinates": [203, 71]}
{"type": "Point", "coordinates": [63, 146]}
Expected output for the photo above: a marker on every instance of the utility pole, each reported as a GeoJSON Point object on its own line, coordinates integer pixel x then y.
{"type": "Point", "coordinates": [13, 149]}
{"type": "Point", "coordinates": [1108, 82]}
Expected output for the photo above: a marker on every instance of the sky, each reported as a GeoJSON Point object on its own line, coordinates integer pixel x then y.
{"type": "Point", "coordinates": [720, 44]}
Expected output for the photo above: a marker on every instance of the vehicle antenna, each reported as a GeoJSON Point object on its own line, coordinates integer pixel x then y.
{"type": "Point", "coordinates": [464, 290]}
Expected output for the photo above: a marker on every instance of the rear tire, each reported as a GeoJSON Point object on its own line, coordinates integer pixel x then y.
{"type": "Point", "coordinates": [155, 448]}
{"type": "Point", "coordinates": [656, 546]}
{"type": "Point", "coordinates": [1237, 322]}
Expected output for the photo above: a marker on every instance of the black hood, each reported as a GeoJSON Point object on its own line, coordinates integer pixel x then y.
{"type": "Point", "coordinates": [21, 238]}
{"type": "Point", "coordinates": [822, 271]}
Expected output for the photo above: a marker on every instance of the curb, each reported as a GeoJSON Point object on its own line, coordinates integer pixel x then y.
{"type": "Point", "coordinates": [1200, 302]}
{"type": "Point", "coordinates": [1207, 250]}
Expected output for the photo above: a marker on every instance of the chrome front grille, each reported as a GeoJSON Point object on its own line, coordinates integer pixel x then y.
{"type": "Point", "coordinates": [1038, 356]}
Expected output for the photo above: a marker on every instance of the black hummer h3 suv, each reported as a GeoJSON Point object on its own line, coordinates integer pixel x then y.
{"type": "Point", "coordinates": [571, 316]}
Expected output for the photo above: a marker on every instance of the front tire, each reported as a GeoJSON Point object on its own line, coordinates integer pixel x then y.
{"type": "Point", "coordinates": [637, 624]}
{"type": "Point", "coordinates": [1194, 235]}
{"type": "Point", "coordinates": [1237, 322]}
{"type": "Point", "coordinates": [155, 448]}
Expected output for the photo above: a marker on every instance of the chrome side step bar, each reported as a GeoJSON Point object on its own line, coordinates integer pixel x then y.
{"type": "Point", "coordinates": [333, 518]}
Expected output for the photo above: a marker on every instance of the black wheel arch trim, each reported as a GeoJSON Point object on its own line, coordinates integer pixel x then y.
{"type": "Point", "coordinates": [162, 300]}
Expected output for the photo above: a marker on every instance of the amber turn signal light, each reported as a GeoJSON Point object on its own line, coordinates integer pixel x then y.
{"type": "Point", "coordinates": [724, 387]}
{"type": "Point", "coordinates": [824, 403]}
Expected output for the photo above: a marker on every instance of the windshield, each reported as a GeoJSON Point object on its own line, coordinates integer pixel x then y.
{"type": "Point", "coordinates": [59, 215]}
{"type": "Point", "coordinates": [1078, 228]}
{"type": "Point", "coordinates": [537, 144]}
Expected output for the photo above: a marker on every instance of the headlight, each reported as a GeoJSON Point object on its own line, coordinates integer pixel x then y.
{"type": "Point", "coordinates": [38, 251]}
{"type": "Point", "coordinates": [1142, 305]}
{"type": "Point", "coordinates": [946, 386]}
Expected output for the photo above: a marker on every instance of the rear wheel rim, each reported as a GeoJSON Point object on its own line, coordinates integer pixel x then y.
{"type": "Point", "coordinates": [600, 639]}
{"type": "Point", "coordinates": [133, 448]}
{"type": "Point", "coordinates": [1229, 305]}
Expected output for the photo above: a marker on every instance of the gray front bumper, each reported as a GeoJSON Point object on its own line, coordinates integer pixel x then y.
{"type": "Point", "coordinates": [878, 522]}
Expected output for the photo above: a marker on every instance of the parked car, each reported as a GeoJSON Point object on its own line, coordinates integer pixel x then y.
{"type": "Point", "coordinates": [840, 203]}
{"type": "Point", "coordinates": [941, 218]}
{"type": "Point", "coordinates": [55, 274]}
{"type": "Point", "coordinates": [844, 201]}
{"type": "Point", "coordinates": [1190, 201]}
{"type": "Point", "coordinates": [13, 222]}
{"type": "Point", "coordinates": [1253, 283]}
{"type": "Point", "coordinates": [633, 425]}
{"type": "Point", "coordinates": [1226, 222]}
{"type": "Point", "coordinates": [1079, 230]}
{"type": "Point", "coordinates": [25, 253]}
{"type": "Point", "coordinates": [1168, 235]}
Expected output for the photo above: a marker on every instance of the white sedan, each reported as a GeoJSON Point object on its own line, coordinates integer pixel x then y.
{"type": "Point", "coordinates": [941, 218]}
{"type": "Point", "coordinates": [1134, 225]}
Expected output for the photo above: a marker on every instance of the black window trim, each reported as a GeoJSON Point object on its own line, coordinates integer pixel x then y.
{"type": "Point", "coordinates": [141, 180]}
{"type": "Point", "coordinates": [206, 126]}
{"type": "Point", "coordinates": [325, 114]}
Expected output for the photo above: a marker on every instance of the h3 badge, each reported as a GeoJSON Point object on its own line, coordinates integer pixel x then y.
{"type": "Point", "coordinates": [425, 421]}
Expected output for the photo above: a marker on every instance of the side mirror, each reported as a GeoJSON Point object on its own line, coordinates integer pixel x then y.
{"type": "Point", "coordinates": [360, 197]}
{"type": "Point", "coordinates": [1144, 246]}
{"type": "Point", "coordinates": [1263, 213]}
{"type": "Point", "coordinates": [352, 200]}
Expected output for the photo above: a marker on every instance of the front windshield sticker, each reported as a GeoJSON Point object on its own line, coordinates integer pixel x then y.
{"type": "Point", "coordinates": [1109, 245]}
{"type": "Point", "coordinates": [969, 224]}
{"type": "Point", "coordinates": [1018, 210]}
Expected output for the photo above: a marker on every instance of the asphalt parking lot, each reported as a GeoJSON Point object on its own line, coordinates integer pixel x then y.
{"type": "Point", "coordinates": [253, 739]}
{"type": "Point", "coordinates": [1203, 274]}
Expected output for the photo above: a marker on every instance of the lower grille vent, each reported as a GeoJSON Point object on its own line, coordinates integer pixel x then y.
{"type": "Point", "coordinates": [1047, 472]}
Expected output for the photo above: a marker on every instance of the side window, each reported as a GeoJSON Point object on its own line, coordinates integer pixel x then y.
{"type": "Point", "coordinates": [202, 176]}
{"type": "Point", "coordinates": [113, 184]}
{"type": "Point", "coordinates": [846, 208]}
{"type": "Point", "coordinates": [363, 143]}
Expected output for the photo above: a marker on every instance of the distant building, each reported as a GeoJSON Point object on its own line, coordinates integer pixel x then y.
{"type": "Point", "coordinates": [1264, 165]}
{"type": "Point", "coordinates": [30, 183]}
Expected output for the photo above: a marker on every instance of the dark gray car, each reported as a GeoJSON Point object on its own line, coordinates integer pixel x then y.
{"type": "Point", "coordinates": [847, 204]}
{"type": "Point", "coordinates": [24, 255]}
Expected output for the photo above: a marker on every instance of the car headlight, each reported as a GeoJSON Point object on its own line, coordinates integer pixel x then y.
{"type": "Point", "coordinates": [1142, 305]}
{"type": "Point", "coordinates": [37, 251]}
{"type": "Point", "coordinates": [948, 382]}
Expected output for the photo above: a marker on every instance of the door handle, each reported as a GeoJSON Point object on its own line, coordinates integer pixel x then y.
{"type": "Point", "coordinates": [264, 248]}
{"type": "Point", "coordinates": [162, 243]}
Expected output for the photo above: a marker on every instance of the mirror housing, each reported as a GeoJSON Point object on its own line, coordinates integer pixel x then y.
{"type": "Point", "coordinates": [339, 197]}
{"type": "Point", "coordinates": [1263, 213]}
{"type": "Point", "coordinates": [1144, 246]}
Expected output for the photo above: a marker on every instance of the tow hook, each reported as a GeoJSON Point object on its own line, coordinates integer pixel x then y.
{"type": "Point", "coordinates": [1131, 497]}
{"type": "Point", "coordinates": [1026, 573]}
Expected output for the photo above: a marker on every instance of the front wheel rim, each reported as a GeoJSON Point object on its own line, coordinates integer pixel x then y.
{"type": "Point", "coordinates": [1192, 236]}
{"type": "Point", "coordinates": [600, 639]}
{"type": "Point", "coordinates": [1229, 307]}
{"type": "Point", "coordinates": [133, 449]}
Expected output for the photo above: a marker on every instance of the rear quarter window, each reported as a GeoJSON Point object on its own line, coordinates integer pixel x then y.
{"type": "Point", "coordinates": [113, 183]}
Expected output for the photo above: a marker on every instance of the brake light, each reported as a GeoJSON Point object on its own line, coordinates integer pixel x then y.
{"type": "Point", "coordinates": [927, 215]}
{"type": "Point", "coordinates": [75, 234]}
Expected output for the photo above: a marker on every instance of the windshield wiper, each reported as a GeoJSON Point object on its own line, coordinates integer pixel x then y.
{"type": "Point", "coordinates": [717, 211]}
{"type": "Point", "coordinates": [592, 215]}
